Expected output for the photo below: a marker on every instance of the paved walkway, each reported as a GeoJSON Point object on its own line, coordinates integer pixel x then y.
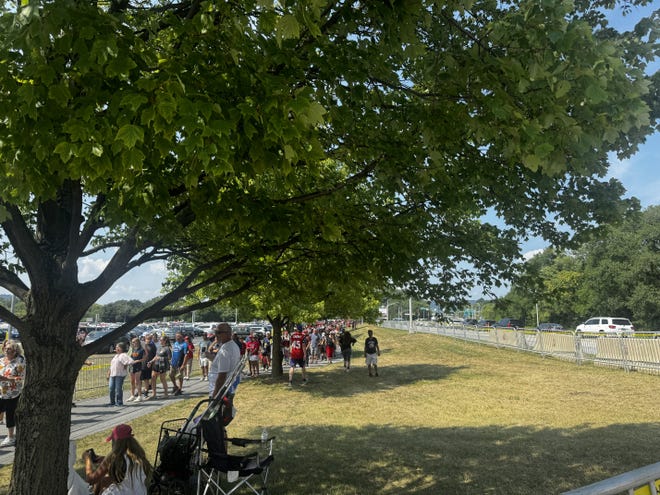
{"type": "Point", "coordinates": [92, 415]}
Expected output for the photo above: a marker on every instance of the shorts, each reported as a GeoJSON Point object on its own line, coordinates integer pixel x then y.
{"type": "Point", "coordinates": [146, 374]}
{"type": "Point", "coordinates": [160, 367]}
{"type": "Point", "coordinates": [203, 362]}
{"type": "Point", "coordinates": [298, 362]}
{"type": "Point", "coordinates": [346, 353]}
{"type": "Point", "coordinates": [253, 357]}
{"type": "Point", "coordinates": [371, 358]}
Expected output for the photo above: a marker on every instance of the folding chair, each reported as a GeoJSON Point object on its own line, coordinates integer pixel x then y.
{"type": "Point", "coordinates": [222, 473]}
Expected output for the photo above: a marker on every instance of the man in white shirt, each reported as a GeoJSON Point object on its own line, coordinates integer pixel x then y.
{"type": "Point", "coordinates": [224, 362]}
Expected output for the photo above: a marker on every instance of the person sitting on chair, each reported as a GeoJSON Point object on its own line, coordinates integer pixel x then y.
{"type": "Point", "coordinates": [123, 471]}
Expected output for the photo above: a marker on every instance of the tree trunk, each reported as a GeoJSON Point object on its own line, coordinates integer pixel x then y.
{"type": "Point", "coordinates": [44, 411]}
{"type": "Point", "coordinates": [276, 364]}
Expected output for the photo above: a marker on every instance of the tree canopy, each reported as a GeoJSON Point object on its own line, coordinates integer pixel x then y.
{"type": "Point", "coordinates": [236, 138]}
{"type": "Point", "coordinates": [615, 274]}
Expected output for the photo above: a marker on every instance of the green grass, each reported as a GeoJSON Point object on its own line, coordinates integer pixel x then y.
{"type": "Point", "coordinates": [444, 417]}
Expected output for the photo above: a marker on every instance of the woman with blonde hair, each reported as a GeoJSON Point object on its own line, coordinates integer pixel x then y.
{"type": "Point", "coordinates": [124, 471]}
{"type": "Point", "coordinates": [12, 376]}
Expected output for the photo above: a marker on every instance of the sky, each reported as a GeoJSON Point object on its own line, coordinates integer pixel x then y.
{"type": "Point", "coordinates": [639, 174]}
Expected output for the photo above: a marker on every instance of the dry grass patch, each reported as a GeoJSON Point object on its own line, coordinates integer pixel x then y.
{"type": "Point", "coordinates": [444, 417]}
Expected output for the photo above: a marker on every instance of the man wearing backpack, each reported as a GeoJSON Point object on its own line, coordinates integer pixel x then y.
{"type": "Point", "coordinates": [371, 352]}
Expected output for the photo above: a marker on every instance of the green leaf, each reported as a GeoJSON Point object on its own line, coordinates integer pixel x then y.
{"type": "Point", "coordinates": [287, 28]}
{"type": "Point", "coordinates": [130, 134]}
{"type": "Point", "coordinates": [132, 159]}
{"type": "Point", "coordinates": [562, 89]}
{"type": "Point", "coordinates": [60, 93]}
{"type": "Point", "coordinates": [65, 150]}
{"type": "Point", "coordinates": [133, 101]}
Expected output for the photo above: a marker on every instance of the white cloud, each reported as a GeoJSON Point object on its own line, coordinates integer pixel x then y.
{"type": "Point", "coordinates": [530, 254]}
{"type": "Point", "coordinates": [89, 268]}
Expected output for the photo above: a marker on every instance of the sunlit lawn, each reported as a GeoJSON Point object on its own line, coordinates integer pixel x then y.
{"type": "Point", "coordinates": [444, 417]}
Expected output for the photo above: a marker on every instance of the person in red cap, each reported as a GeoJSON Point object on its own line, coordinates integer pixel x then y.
{"type": "Point", "coordinates": [124, 470]}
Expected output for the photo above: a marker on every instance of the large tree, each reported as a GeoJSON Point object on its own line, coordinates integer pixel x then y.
{"type": "Point", "coordinates": [234, 137]}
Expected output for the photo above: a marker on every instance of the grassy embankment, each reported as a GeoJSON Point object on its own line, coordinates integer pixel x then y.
{"type": "Point", "coordinates": [444, 417]}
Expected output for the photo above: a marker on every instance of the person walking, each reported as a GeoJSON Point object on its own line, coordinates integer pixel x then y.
{"type": "Point", "coordinates": [371, 353]}
{"type": "Point", "coordinates": [252, 347]}
{"type": "Point", "coordinates": [179, 358]}
{"type": "Point", "coordinates": [160, 365]}
{"type": "Point", "coordinates": [117, 374]}
{"type": "Point", "coordinates": [190, 357]}
{"type": "Point", "coordinates": [150, 350]}
{"type": "Point", "coordinates": [12, 378]}
{"type": "Point", "coordinates": [346, 341]}
{"type": "Point", "coordinates": [298, 350]}
{"type": "Point", "coordinates": [203, 359]}
{"type": "Point", "coordinates": [138, 355]}
{"type": "Point", "coordinates": [124, 471]}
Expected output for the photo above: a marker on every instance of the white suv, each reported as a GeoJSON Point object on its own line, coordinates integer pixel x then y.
{"type": "Point", "coordinates": [606, 324]}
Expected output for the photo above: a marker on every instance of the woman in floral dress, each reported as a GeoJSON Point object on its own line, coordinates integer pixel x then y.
{"type": "Point", "coordinates": [12, 377]}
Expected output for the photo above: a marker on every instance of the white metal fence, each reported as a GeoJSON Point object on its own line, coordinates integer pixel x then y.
{"type": "Point", "coordinates": [631, 352]}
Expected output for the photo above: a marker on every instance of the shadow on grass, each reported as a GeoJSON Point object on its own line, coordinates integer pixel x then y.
{"type": "Point", "coordinates": [493, 460]}
{"type": "Point", "coordinates": [333, 381]}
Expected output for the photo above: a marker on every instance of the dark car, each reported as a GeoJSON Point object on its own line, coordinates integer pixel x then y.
{"type": "Point", "coordinates": [509, 323]}
{"type": "Point", "coordinates": [486, 323]}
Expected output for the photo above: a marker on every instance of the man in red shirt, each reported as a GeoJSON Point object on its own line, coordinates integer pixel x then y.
{"type": "Point", "coordinates": [298, 350]}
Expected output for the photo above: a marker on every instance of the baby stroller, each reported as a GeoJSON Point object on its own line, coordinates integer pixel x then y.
{"type": "Point", "coordinates": [175, 463]}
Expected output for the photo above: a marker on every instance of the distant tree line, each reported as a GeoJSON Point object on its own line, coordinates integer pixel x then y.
{"type": "Point", "coordinates": [616, 274]}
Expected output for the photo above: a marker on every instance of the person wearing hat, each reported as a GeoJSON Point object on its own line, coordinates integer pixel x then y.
{"type": "Point", "coordinates": [123, 471]}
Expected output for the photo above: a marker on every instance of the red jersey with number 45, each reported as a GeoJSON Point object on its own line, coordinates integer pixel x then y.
{"type": "Point", "coordinates": [297, 345]}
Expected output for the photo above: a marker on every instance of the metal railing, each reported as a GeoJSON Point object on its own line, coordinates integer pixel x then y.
{"type": "Point", "coordinates": [640, 481]}
{"type": "Point", "coordinates": [92, 380]}
{"type": "Point", "coordinates": [631, 352]}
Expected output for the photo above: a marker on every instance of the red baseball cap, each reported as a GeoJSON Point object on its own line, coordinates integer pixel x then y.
{"type": "Point", "coordinates": [120, 432]}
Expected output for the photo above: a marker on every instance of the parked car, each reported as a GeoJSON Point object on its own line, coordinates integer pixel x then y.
{"type": "Point", "coordinates": [550, 327]}
{"type": "Point", "coordinates": [96, 333]}
{"type": "Point", "coordinates": [509, 323]}
{"type": "Point", "coordinates": [486, 323]}
{"type": "Point", "coordinates": [606, 324]}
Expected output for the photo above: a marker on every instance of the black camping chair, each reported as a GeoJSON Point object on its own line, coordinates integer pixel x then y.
{"type": "Point", "coordinates": [221, 473]}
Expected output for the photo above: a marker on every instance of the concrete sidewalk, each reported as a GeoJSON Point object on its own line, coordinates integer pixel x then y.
{"type": "Point", "coordinates": [93, 415]}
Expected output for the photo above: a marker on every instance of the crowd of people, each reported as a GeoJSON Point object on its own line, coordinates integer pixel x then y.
{"type": "Point", "coordinates": [125, 468]}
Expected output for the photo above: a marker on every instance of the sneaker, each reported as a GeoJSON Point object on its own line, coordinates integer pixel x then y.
{"type": "Point", "coordinates": [138, 399]}
{"type": "Point", "coordinates": [290, 385]}
{"type": "Point", "coordinates": [130, 399]}
{"type": "Point", "coordinates": [304, 382]}
{"type": "Point", "coordinates": [8, 442]}
{"type": "Point", "coordinates": [202, 378]}
{"type": "Point", "coordinates": [178, 391]}
{"type": "Point", "coordinates": [186, 378]}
